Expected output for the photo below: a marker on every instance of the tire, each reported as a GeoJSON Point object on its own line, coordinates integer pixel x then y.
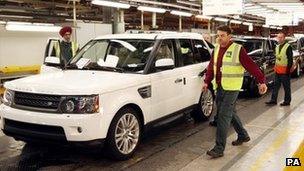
{"type": "Point", "coordinates": [205, 106]}
{"type": "Point", "coordinates": [125, 122]}
{"type": "Point", "coordinates": [297, 72]}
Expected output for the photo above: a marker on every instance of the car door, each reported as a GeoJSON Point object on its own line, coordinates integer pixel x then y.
{"type": "Point", "coordinates": [52, 60]}
{"type": "Point", "coordinates": [195, 57]}
{"type": "Point", "coordinates": [167, 83]}
{"type": "Point", "coordinates": [270, 60]}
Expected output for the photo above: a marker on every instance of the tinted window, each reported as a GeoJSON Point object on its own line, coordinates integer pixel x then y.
{"type": "Point", "coordinates": [201, 53]}
{"type": "Point", "coordinates": [187, 52]}
{"type": "Point", "coordinates": [165, 51]}
{"type": "Point", "coordinates": [251, 46]}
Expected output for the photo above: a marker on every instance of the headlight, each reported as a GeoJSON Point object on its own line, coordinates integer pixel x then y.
{"type": "Point", "coordinates": [8, 97]}
{"type": "Point", "coordinates": [88, 104]}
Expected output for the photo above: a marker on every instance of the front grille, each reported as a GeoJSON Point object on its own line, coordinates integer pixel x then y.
{"type": "Point", "coordinates": [24, 130]}
{"type": "Point", "coordinates": [38, 101]}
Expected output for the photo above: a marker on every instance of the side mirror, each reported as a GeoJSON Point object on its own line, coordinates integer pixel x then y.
{"type": "Point", "coordinates": [52, 60]}
{"type": "Point", "coordinates": [166, 63]}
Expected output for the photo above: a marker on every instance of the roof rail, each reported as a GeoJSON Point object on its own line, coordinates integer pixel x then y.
{"type": "Point", "coordinates": [148, 31]}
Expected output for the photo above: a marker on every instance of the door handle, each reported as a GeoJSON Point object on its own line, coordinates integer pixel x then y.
{"type": "Point", "coordinates": [201, 74]}
{"type": "Point", "coordinates": [178, 80]}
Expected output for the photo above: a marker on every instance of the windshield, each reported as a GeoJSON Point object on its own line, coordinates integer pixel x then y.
{"type": "Point", "coordinates": [252, 47]}
{"type": "Point", "coordinates": [128, 55]}
{"type": "Point", "coordinates": [294, 45]}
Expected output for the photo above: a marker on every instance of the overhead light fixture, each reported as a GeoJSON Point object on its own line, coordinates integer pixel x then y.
{"type": "Point", "coordinates": [16, 16]}
{"type": "Point", "coordinates": [273, 27]}
{"type": "Point", "coordinates": [181, 13]}
{"type": "Point", "coordinates": [247, 23]}
{"type": "Point", "coordinates": [111, 4]}
{"type": "Point", "coordinates": [18, 23]}
{"type": "Point", "coordinates": [283, 4]}
{"type": "Point", "coordinates": [151, 9]}
{"type": "Point", "coordinates": [2, 22]}
{"type": "Point", "coordinates": [35, 27]}
{"type": "Point", "coordinates": [203, 17]}
{"type": "Point", "coordinates": [255, 10]}
{"type": "Point", "coordinates": [221, 19]}
{"type": "Point", "coordinates": [235, 21]}
{"type": "Point", "coordinates": [266, 26]}
{"type": "Point", "coordinates": [253, 7]}
{"type": "Point", "coordinates": [248, 4]}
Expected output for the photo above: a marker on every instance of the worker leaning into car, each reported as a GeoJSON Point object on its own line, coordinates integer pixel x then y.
{"type": "Point", "coordinates": [67, 49]}
{"type": "Point", "coordinates": [226, 71]}
{"type": "Point", "coordinates": [283, 65]}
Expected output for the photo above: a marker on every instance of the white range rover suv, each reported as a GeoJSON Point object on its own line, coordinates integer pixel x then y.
{"type": "Point", "coordinates": [115, 88]}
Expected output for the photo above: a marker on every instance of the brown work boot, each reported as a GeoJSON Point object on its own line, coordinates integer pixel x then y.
{"type": "Point", "coordinates": [212, 153]}
{"type": "Point", "coordinates": [240, 141]}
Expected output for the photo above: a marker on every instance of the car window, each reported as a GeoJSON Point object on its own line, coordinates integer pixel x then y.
{"type": "Point", "coordinates": [130, 55]}
{"type": "Point", "coordinates": [165, 51]}
{"type": "Point", "coordinates": [269, 46]}
{"type": "Point", "coordinates": [253, 47]}
{"type": "Point", "coordinates": [187, 54]}
{"type": "Point", "coordinates": [201, 53]}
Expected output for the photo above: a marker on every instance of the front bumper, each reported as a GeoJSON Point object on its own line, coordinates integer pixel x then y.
{"type": "Point", "coordinates": [23, 124]}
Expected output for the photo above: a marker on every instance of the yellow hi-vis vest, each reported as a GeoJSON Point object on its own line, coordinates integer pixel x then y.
{"type": "Point", "coordinates": [281, 59]}
{"type": "Point", "coordinates": [232, 70]}
{"type": "Point", "coordinates": [74, 49]}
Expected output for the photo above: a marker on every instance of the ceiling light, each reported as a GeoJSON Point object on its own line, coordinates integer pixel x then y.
{"type": "Point", "coordinates": [36, 27]}
{"type": "Point", "coordinates": [16, 16]}
{"type": "Point", "coordinates": [247, 23]}
{"type": "Point", "coordinates": [151, 9]}
{"type": "Point", "coordinates": [203, 17]}
{"type": "Point", "coordinates": [111, 4]}
{"type": "Point", "coordinates": [283, 4]}
{"type": "Point", "coordinates": [266, 26]}
{"type": "Point", "coordinates": [235, 21]}
{"type": "Point", "coordinates": [181, 13]}
{"type": "Point", "coordinates": [221, 19]}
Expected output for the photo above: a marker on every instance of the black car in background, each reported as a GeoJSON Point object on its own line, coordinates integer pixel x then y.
{"type": "Point", "coordinates": [262, 51]}
{"type": "Point", "coordinates": [297, 45]}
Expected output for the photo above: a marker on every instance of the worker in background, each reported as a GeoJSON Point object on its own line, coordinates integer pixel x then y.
{"type": "Point", "coordinates": [67, 49]}
{"type": "Point", "coordinates": [226, 71]}
{"type": "Point", "coordinates": [214, 122]}
{"type": "Point", "coordinates": [283, 65]}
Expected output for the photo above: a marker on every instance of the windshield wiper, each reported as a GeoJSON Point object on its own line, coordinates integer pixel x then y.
{"type": "Point", "coordinates": [107, 68]}
{"type": "Point", "coordinates": [70, 66]}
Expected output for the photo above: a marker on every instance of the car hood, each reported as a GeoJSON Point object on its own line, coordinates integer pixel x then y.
{"type": "Point", "coordinates": [76, 82]}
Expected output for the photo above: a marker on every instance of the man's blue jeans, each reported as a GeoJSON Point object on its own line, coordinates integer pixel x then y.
{"type": "Point", "coordinates": [226, 101]}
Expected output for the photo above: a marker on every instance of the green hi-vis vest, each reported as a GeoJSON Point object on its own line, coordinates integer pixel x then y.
{"type": "Point", "coordinates": [281, 57]}
{"type": "Point", "coordinates": [232, 70]}
{"type": "Point", "coordinates": [74, 49]}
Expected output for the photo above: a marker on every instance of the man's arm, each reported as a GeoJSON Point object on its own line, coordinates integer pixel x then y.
{"type": "Point", "coordinates": [251, 67]}
{"type": "Point", "coordinates": [289, 54]}
{"type": "Point", "coordinates": [210, 72]}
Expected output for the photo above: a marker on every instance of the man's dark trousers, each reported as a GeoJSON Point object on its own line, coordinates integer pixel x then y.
{"type": "Point", "coordinates": [226, 101]}
{"type": "Point", "coordinates": [285, 80]}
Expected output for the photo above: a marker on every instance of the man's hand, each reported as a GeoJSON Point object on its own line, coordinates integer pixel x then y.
{"type": "Point", "coordinates": [205, 87]}
{"type": "Point", "coordinates": [262, 88]}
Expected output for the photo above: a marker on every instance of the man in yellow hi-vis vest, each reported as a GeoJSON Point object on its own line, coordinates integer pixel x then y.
{"type": "Point", "coordinates": [67, 49]}
{"type": "Point", "coordinates": [226, 69]}
{"type": "Point", "coordinates": [282, 69]}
